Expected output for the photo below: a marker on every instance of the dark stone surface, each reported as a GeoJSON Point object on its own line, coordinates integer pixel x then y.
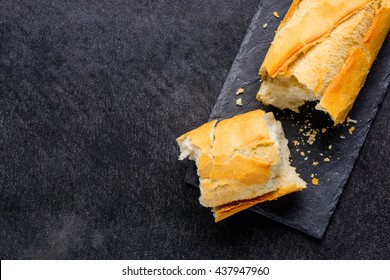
{"type": "Point", "coordinates": [92, 96]}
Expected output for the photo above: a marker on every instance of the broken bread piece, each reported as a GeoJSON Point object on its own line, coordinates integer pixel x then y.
{"type": "Point", "coordinates": [241, 161]}
{"type": "Point", "coordinates": [323, 51]}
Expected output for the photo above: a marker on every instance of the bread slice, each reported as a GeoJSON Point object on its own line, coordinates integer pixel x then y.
{"type": "Point", "coordinates": [241, 161]}
{"type": "Point", "coordinates": [323, 51]}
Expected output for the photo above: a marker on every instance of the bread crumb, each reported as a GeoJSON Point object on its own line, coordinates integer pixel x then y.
{"type": "Point", "coordinates": [311, 134]}
{"type": "Point", "coordinates": [314, 181]}
{"type": "Point", "coordinates": [312, 175]}
{"type": "Point", "coordinates": [323, 130]}
{"type": "Point", "coordinates": [351, 129]}
{"type": "Point", "coordinates": [276, 14]}
{"type": "Point", "coordinates": [315, 163]}
{"type": "Point", "coordinates": [342, 137]}
{"type": "Point", "coordinates": [303, 154]}
{"type": "Point", "coordinates": [330, 147]}
{"type": "Point", "coordinates": [306, 158]}
{"type": "Point", "coordinates": [240, 91]}
{"type": "Point", "coordinates": [351, 120]}
{"type": "Point", "coordinates": [301, 130]}
{"type": "Point", "coordinates": [327, 159]}
{"type": "Point", "coordinates": [239, 102]}
{"type": "Point", "coordinates": [265, 25]}
{"type": "Point", "coordinates": [296, 143]}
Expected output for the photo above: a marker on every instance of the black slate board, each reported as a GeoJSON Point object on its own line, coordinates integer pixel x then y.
{"type": "Point", "coordinates": [310, 210]}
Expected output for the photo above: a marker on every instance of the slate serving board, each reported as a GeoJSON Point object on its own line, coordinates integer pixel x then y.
{"type": "Point", "coordinates": [310, 210]}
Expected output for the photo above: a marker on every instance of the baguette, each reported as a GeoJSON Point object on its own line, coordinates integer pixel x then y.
{"type": "Point", "coordinates": [241, 161]}
{"type": "Point", "coordinates": [323, 51]}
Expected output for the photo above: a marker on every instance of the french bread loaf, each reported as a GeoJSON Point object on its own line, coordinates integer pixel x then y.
{"type": "Point", "coordinates": [323, 51]}
{"type": "Point", "coordinates": [241, 161]}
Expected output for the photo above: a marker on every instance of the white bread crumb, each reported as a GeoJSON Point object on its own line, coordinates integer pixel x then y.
{"type": "Point", "coordinates": [239, 102]}
{"type": "Point", "coordinates": [240, 91]}
{"type": "Point", "coordinates": [351, 120]}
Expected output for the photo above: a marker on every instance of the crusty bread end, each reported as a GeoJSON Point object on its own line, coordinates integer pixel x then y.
{"type": "Point", "coordinates": [240, 159]}
{"type": "Point", "coordinates": [323, 51]}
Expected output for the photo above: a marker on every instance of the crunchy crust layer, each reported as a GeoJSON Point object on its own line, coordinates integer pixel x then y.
{"type": "Point", "coordinates": [294, 38]}
{"type": "Point", "coordinates": [340, 95]}
{"type": "Point", "coordinates": [225, 211]}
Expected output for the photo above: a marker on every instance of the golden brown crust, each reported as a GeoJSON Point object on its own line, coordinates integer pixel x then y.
{"type": "Point", "coordinates": [380, 27]}
{"type": "Point", "coordinates": [349, 81]}
{"type": "Point", "coordinates": [298, 36]}
{"type": "Point", "coordinates": [227, 210]}
{"type": "Point", "coordinates": [237, 133]}
{"type": "Point", "coordinates": [340, 95]}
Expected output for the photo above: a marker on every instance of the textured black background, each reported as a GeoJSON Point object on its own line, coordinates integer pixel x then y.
{"type": "Point", "coordinates": [92, 97]}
